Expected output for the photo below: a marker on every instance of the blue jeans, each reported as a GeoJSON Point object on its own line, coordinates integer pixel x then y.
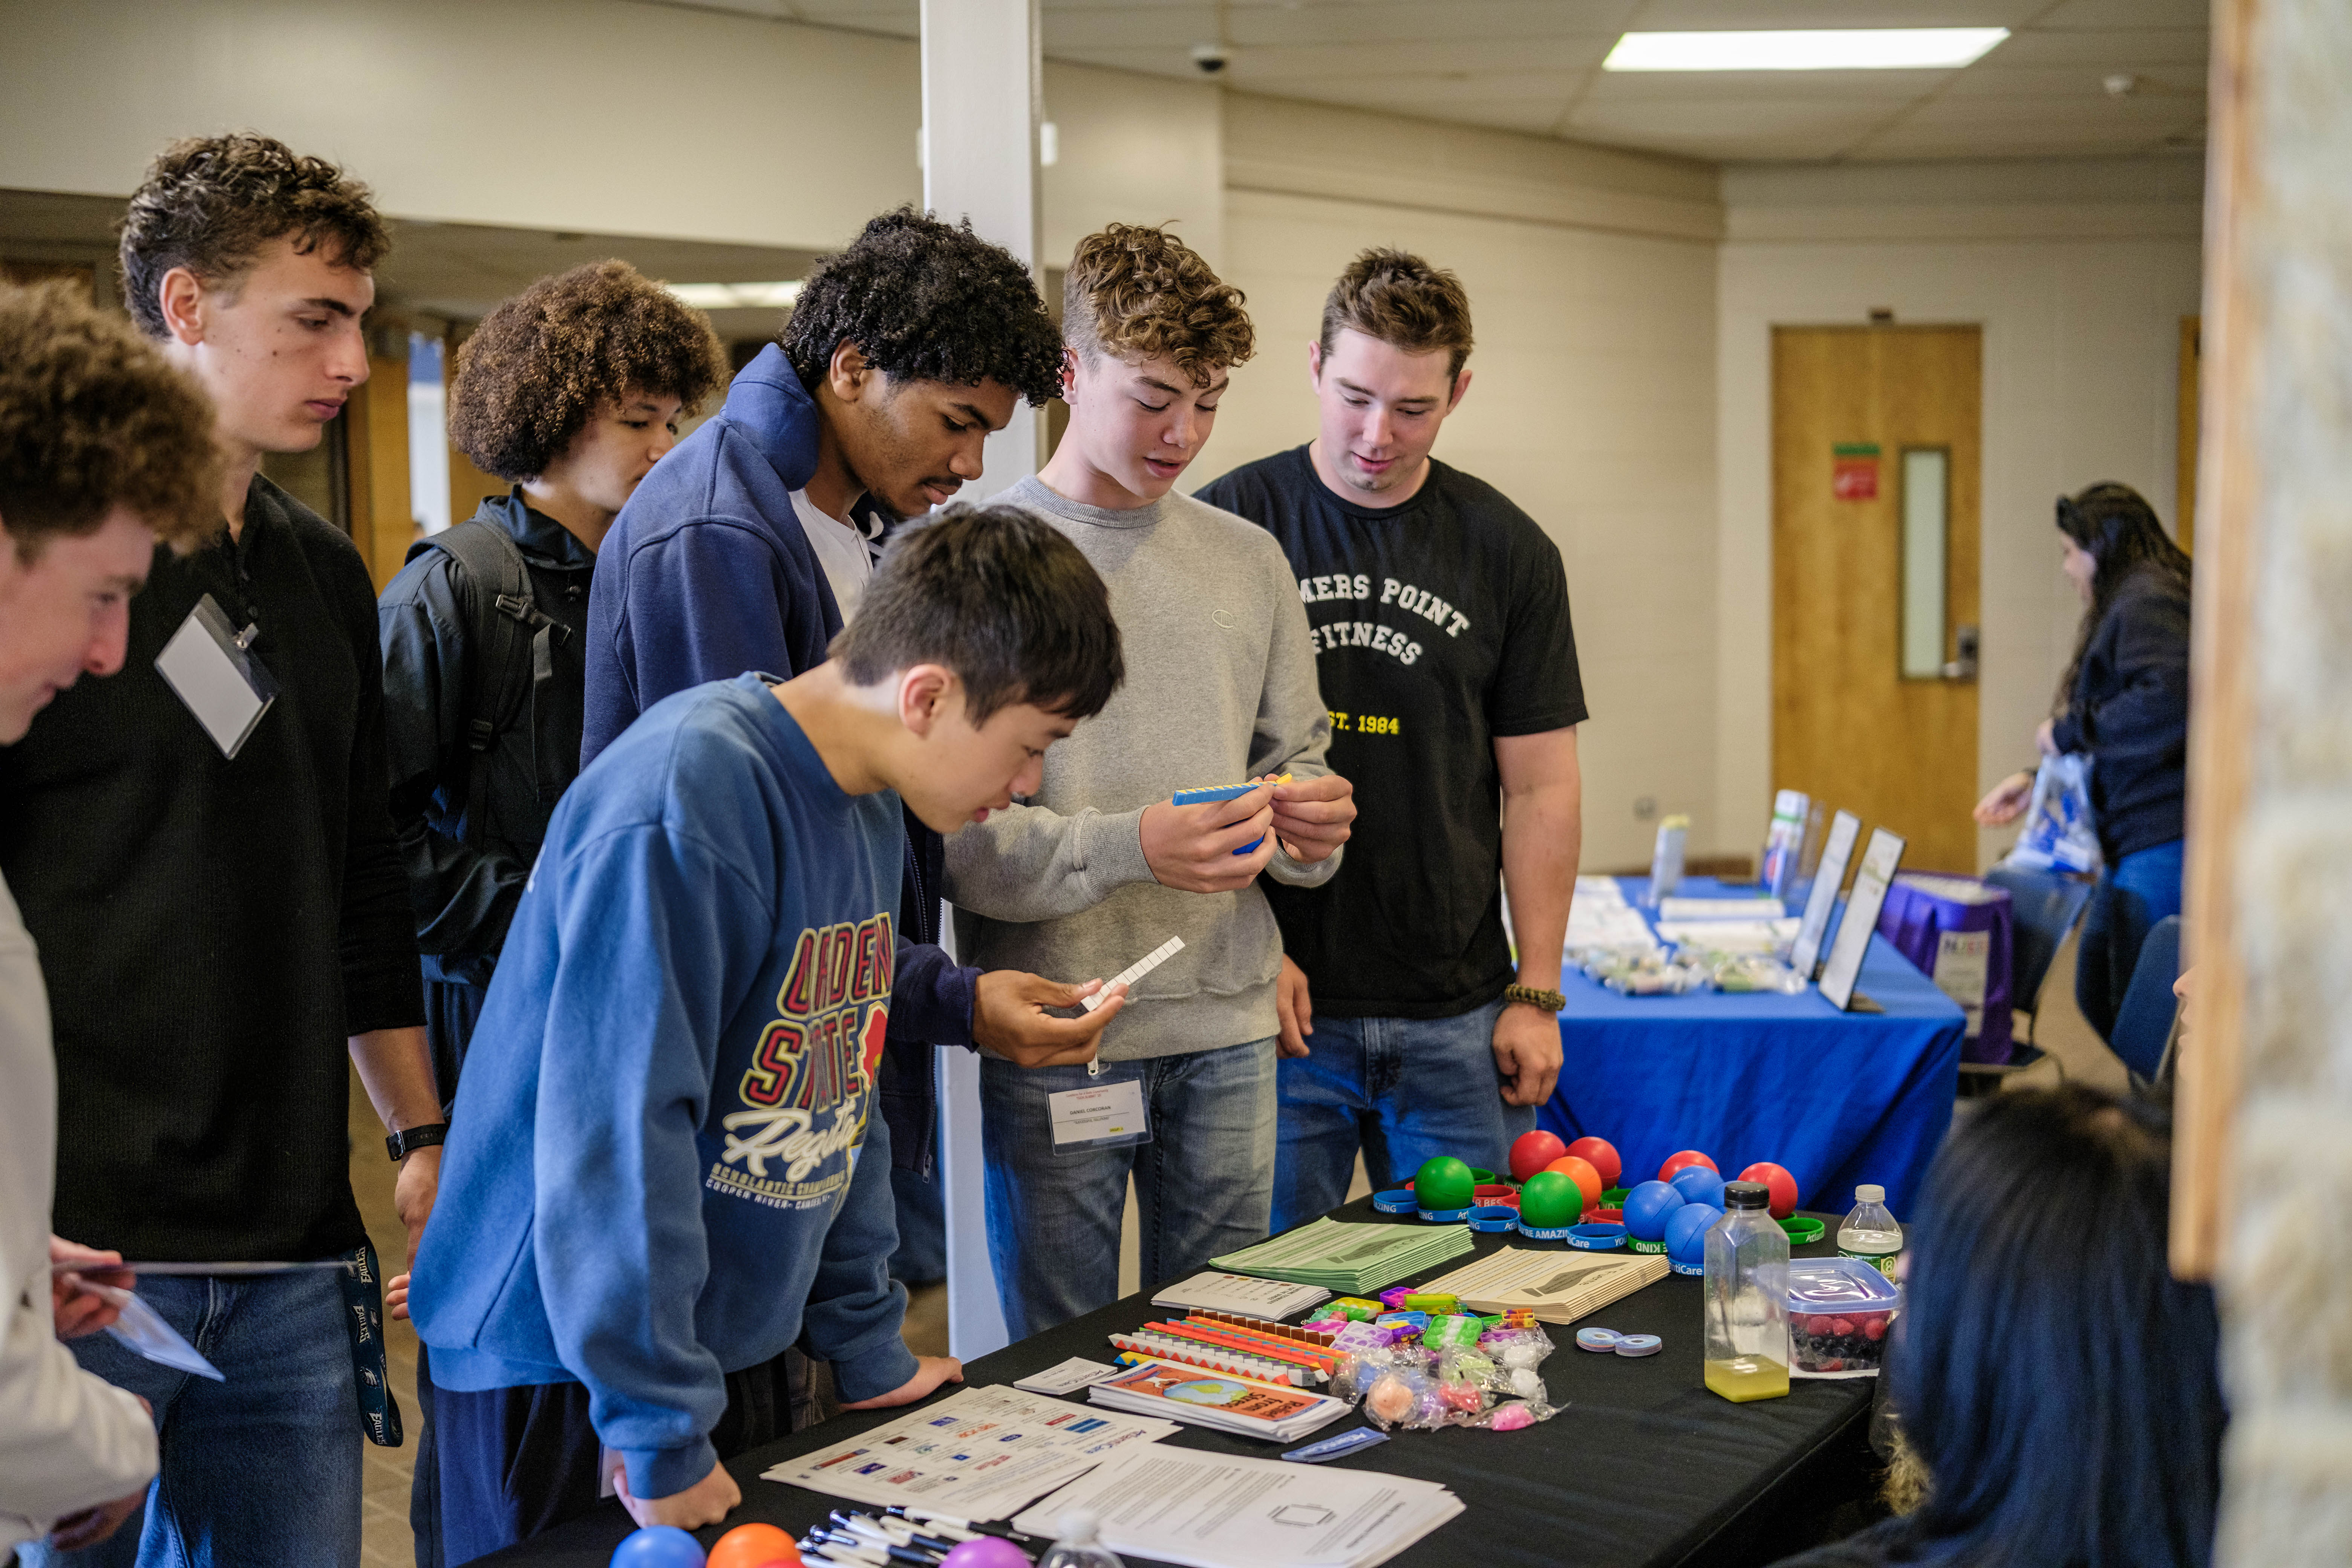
{"type": "Point", "coordinates": [1201, 1183]}
{"type": "Point", "coordinates": [2132, 895]}
{"type": "Point", "coordinates": [1403, 1090]}
{"type": "Point", "coordinates": [264, 1468]}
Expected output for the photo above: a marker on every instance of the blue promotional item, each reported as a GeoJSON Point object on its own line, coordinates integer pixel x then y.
{"type": "Point", "coordinates": [658, 1546]}
{"type": "Point", "coordinates": [1649, 1206]}
{"type": "Point", "coordinates": [1698, 1184]}
{"type": "Point", "coordinates": [1686, 1236]}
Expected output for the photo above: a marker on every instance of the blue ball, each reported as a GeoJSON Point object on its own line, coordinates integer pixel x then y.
{"type": "Point", "coordinates": [1648, 1207]}
{"type": "Point", "coordinates": [1698, 1184]}
{"type": "Point", "coordinates": [1687, 1234]}
{"type": "Point", "coordinates": [658, 1546]}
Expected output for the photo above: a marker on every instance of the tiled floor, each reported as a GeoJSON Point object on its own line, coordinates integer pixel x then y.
{"type": "Point", "coordinates": [386, 1542]}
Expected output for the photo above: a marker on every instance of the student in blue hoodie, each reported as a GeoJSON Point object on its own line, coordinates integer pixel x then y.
{"type": "Point", "coordinates": [664, 1167]}
{"type": "Point", "coordinates": [748, 547]}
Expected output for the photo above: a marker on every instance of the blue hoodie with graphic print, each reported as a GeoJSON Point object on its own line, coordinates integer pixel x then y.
{"type": "Point", "coordinates": [663, 1161]}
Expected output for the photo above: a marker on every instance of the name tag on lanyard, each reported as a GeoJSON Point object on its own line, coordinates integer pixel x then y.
{"type": "Point", "coordinates": [211, 666]}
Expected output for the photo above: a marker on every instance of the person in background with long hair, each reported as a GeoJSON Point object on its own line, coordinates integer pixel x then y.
{"type": "Point", "coordinates": [2059, 1388]}
{"type": "Point", "coordinates": [2124, 701]}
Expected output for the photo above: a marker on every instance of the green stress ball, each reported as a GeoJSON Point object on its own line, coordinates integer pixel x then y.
{"type": "Point", "coordinates": [1550, 1200]}
{"type": "Point", "coordinates": [1444, 1183]}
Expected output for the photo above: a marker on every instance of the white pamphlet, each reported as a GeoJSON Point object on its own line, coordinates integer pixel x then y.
{"type": "Point", "coordinates": [979, 1453]}
{"type": "Point", "coordinates": [1845, 829]}
{"type": "Point", "coordinates": [1067, 1378]}
{"type": "Point", "coordinates": [1214, 1291]}
{"type": "Point", "coordinates": [1852, 939]}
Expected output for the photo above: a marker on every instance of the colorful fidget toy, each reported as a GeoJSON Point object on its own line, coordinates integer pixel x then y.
{"type": "Point", "coordinates": [1169, 1341]}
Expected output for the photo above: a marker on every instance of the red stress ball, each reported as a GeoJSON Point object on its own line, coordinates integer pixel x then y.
{"type": "Point", "coordinates": [1602, 1155]}
{"type": "Point", "coordinates": [1533, 1151]}
{"type": "Point", "coordinates": [1782, 1184]}
{"type": "Point", "coordinates": [1678, 1162]}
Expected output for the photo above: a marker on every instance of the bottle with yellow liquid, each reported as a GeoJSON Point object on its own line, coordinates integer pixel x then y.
{"type": "Point", "coordinates": [1747, 1308]}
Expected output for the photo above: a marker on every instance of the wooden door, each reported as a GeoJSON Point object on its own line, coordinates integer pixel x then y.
{"type": "Point", "coordinates": [1849, 727]}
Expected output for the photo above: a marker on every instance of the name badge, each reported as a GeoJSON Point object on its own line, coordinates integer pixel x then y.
{"type": "Point", "coordinates": [210, 664]}
{"type": "Point", "coordinates": [1104, 1116]}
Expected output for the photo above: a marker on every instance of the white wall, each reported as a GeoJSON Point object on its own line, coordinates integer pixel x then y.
{"type": "Point", "coordinates": [1591, 404]}
{"type": "Point", "coordinates": [2079, 274]}
{"type": "Point", "coordinates": [1134, 148]}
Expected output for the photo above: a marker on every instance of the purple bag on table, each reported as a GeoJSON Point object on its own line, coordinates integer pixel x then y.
{"type": "Point", "coordinates": [1959, 931]}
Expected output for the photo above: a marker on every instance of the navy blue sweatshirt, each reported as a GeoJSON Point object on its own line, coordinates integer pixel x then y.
{"type": "Point", "coordinates": [662, 1168]}
{"type": "Point", "coordinates": [2130, 712]}
{"type": "Point", "coordinates": [707, 573]}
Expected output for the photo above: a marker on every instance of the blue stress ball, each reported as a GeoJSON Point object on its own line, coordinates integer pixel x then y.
{"type": "Point", "coordinates": [1687, 1234]}
{"type": "Point", "coordinates": [658, 1546]}
{"type": "Point", "coordinates": [1648, 1207]}
{"type": "Point", "coordinates": [1698, 1184]}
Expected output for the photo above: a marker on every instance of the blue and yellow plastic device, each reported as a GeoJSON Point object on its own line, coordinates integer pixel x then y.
{"type": "Point", "coordinates": [1228, 792]}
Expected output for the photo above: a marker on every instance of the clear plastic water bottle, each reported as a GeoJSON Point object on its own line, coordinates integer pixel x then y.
{"type": "Point", "coordinates": [1748, 1297]}
{"type": "Point", "coordinates": [1078, 1545]}
{"type": "Point", "coordinates": [1870, 1232]}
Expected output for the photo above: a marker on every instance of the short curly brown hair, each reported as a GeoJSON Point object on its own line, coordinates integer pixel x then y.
{"type": "Point", "coordinates": [1135, 292]}
{"type": "Point", "coordinates": [1402, 301]}
{"type": "Point", "coordinates": [210, 204]}
{"type": "Point", "coordinates": [539, 366]}
{"type": "Point", "coordinates": [93, 418]}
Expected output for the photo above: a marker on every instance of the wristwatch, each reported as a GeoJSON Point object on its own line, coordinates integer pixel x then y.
{"type": "Point", "coordinates": [1549, 1001]}
{"type": "Point", "coordinates": [409, 1140]}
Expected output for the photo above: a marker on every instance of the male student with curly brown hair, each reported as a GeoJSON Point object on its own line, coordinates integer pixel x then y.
{"type": "Point", "coordinates": [218, 896]}
{"type": "Point", "coordinates": [1099, 866]}
{"type": "Point", "coordinates": [103, 446]}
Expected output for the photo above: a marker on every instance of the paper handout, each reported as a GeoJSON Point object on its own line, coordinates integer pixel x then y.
{"type": "Point", "coordinates": [1350, 1259]}
{"type": "Point", "coordinates": [1560, 1286]}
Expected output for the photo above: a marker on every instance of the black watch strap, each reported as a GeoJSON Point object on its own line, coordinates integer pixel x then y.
{"type": "Point", "coordinates": [409, 1140]}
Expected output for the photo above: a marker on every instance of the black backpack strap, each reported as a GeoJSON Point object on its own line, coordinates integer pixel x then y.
{"type": "Point", "coordinates": [502, 619]}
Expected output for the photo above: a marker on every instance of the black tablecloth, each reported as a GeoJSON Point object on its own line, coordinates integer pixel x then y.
{"type": "Point", "coordinates": [1641, 1466]}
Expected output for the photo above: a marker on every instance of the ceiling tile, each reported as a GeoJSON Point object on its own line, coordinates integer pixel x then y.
{"type": "Point", "coordinates": [2130, 14]}
{"type": "Point", "coordinates": [2118, 49]}
{"type": "Point", "coordinates": [1713, 128]}
{"type": "Point", "coordinates": [1386, 19]}
{"type": "Point", "coordinates": [1989, 80]}
{"type": "Point", "coordinates": [1700, 87]}
{"type": "Point", "coordinates": [1707, 15]}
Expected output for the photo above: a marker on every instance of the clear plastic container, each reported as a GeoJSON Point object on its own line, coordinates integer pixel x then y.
{"type": "Point", "coordinates": [1870, 1232]}
{"type": "Point", "coordinates": [1840, 1311]}
{"type": "Point", "coordinates": [1079, 1544]}
{"type": "Point", "coordinates": [1746, 1307]}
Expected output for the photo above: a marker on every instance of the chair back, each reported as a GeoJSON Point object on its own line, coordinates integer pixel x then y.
{"type": "Point", "coordinates": [2143, 1021]}
{"type": "Point", "coordinates": [2044, 907]}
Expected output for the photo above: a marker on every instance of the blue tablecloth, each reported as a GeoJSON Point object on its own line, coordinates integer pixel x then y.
{"type": "Point", "coordinates": [1840, 1099]}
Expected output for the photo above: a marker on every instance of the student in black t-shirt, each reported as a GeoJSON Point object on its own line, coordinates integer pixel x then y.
{"type": "Point", "coordinates": [1440, 616]}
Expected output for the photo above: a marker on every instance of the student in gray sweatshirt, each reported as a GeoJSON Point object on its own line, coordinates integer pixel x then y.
{"type": "Point", "coordinates": [1100, 867]}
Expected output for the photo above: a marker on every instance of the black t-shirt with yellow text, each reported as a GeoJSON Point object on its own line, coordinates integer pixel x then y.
{"type": "Point", "coordinates": [1438, 625]}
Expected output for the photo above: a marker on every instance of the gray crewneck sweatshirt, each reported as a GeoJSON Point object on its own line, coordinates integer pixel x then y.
{"type": "Point", "coordinates": [1220, 689]}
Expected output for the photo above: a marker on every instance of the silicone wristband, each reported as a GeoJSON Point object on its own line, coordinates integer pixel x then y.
{"type": "Point", "coordinates": [1596, 1237]}
{"type": "Point", "coordinates": [1397, 1200]}
{"type": "Point", "coordinates": [1444, 1216]}
{"type": "Point", "coordinates": [1494, 1218]}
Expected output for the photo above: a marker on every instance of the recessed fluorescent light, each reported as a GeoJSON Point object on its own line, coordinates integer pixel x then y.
{"type": "Point", "coordinates": [1805, 49]}
{"type": "Point", "coordinates": [737, 296]}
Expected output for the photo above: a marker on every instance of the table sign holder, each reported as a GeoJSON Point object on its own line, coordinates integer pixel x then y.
{"type": "Point", "coordinates": [1821, 901]}
{"type": "Point", "coordinates": [1870, 884]}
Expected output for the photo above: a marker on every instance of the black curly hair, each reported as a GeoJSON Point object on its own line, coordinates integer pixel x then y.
{"type": "Point", "coordinates": [927, 301]}
{"type": "Point", "coordinates": [542, 364]}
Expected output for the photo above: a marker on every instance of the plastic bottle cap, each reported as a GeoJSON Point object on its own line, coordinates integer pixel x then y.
{"type": "Point", "coordinates": [1078, 1527]}
{"type": "Point", "coordinates": [1870, 1193]}
{"type": "Point", "coordinates": [1746, 1196]}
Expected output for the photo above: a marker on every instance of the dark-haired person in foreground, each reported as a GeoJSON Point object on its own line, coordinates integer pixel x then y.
{"type": "Point", "coordinates": [221, 931]}
{"type": "Point", "coordinates": [103, 448]}
{"type": "Point", "coordinates": [573, 390]}
{"type": "Point", "coordinates": [750, 546]}
{"type": "Point", "coordinates": [665, 1168]}
{"type": "Point", "coordinates": [2123, 700]}
{"type": "Point", "coordinates": [1444, 649]}
{"type": "Point", "coordinates": [2059, 1387]}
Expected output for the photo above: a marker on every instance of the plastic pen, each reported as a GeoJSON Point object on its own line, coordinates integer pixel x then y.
{"type": "Point", "coordinates": [888, 1552]}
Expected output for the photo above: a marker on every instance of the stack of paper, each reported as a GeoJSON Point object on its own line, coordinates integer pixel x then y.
{"type": "Point", "coordinates": [1762, 906]}
{"type": "Point", "coordinates": [1224, 1403]}
{"type": "Point", "coordinates": [1731, 936]}
{"type": "Point", "coordinates": [1240, 1294]}
{"type": "Point", "coordinates": [1213, 1510]}
{"type": "Point", "coordinates": [1349, 1260]}
{"type": "Point", "coordinates": [980, 1453]}
{"type": "Point", "coordinates": [1599, 919]}
{"type": "Point", "coordinates": [1560, 1286]}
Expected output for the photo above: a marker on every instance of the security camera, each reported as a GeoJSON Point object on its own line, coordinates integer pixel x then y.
{"type": "Point", "coordinates": [1210, 58]}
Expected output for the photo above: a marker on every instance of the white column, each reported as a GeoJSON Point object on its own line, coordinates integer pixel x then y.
{"type": "Point", "coordinates": [981, 88]}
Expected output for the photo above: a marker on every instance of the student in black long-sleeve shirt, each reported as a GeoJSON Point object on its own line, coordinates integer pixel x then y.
{"type": "Point", "coordinates": [2123, 700]}
{"type": "Point", "coordinates": [216, 930]}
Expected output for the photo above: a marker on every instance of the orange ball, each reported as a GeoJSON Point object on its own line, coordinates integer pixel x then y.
{"type": "Point", "coordinates": [753, 1546]}
{"type": "Point", "coordinates": [1581, 1172]}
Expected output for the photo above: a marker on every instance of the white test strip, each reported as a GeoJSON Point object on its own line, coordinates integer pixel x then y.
{"type": "Point", "coordinates": [1136, 971]}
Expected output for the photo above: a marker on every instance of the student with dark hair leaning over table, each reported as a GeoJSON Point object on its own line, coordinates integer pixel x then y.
{"type": "Point", "coordinates": [103, 449]}
{"type": "Point", "coordinates": [749, 548]}
{"type": "Point", "coordinates": [1445, 653]}
{"type": "Point", "coordinates": [572, 390]}
{"type": "Point", "coordinates": [2058, 1388]}
{"type": "Point", "coordinates": [665, 1168]}
{"type": "Point", "coordinates": [222, 918]}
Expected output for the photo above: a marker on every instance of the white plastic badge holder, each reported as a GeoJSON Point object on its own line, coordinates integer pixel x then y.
{"type": "Point", "coordinates": [1100, 1116]}
{"type": "Point", "coordinates": [1853, 940]}
{"type": "Point", "coordinates": [1828, 877]}
{"type": "Point", "coordinates": [143, 1329]}
{"type": "Point", "coordinates": [210, 664]}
